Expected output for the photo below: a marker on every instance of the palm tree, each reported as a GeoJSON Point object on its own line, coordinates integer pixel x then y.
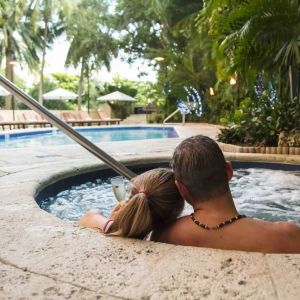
{"type": "Point", "coordinates": [52, 15]}
{"type": "Point", "coordinates": [92, 44]}
{"type": "Point", "coordinates": [18, 38]}
{"type": "Point", "coordinates": [258, 35]}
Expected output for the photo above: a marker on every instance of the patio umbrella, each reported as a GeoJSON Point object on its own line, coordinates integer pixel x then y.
{"type": "Point", "coordinates": [119, 97]}
{"type": "Point", "coordinates": [116, 96]}
{"type": "Point", "coordinates": [60, 94]}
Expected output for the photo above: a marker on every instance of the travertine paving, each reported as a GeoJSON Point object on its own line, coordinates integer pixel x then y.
{"type": "Point", "coordinates": [42, 257]}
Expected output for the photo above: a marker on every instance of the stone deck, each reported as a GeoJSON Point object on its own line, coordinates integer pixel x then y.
{"type": "Point", "coordinates": [42, 257]}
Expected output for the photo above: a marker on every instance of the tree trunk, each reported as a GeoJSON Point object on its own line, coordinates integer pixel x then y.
{"type": "Point", "coordinates": [41, 84]}
{"type": "Point", "coordinates": [88, 91]}
{"type": "Point", "coordinates": [80, 88]}
{"type": "Point", "coordinates": [8, 71]}
{"type": "Point", "coordinates": [298, 95]}
{"type": "Point", "coordinates": [238, 82]}
{"type": "Point", "coordinates": [280, 85]}
{"type": "Point", "coordinates": [293, 80]}
{"type": "Point", "coordinates": [46, 20]}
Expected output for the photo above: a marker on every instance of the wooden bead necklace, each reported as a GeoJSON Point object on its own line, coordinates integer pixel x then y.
{"type": "Point", "coordinates": [222, 224]}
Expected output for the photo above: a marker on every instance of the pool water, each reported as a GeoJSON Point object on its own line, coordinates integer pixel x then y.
{"type": "Point", "coordinates": [262, 193]}
{"type": "Point", "coordinates": [95, 135]}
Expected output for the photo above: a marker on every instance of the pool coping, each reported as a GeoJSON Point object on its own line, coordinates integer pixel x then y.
{"type": "Point", "coordinates": [57, 260]}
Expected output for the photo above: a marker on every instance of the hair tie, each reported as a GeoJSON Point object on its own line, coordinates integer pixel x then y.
{"type": "Point", "coordinates": [143, 192]}
{"type": "Point", "coordinates": [106, 225]}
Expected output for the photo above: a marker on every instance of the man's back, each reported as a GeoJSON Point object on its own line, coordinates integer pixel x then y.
{"type": "Point", "coordinates": [245, 234]}
{"type": "Point", "coordinates": [202, 177]}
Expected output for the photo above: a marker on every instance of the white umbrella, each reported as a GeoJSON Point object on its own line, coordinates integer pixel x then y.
{"type": "Point", "coordinates": [60, 94]}
{"type": "Point", "coordinates": [4, 92]}
{"type": "Point", "coordinates": [116, 96]}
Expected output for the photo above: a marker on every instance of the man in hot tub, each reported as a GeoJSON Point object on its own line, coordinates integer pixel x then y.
{"type": "Point", "coordinates": [202, 176]}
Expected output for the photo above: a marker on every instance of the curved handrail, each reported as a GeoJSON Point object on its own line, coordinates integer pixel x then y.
{"type": "Point", "coordinates": [172, 114]}
{"type": "Point", "coordinates": [64, 127]}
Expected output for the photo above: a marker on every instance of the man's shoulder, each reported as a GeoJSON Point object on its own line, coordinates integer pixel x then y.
{"type": "Point", "coordinates": [286, 227]}
{"type": "Point", "coordinates": [268, 227]}
{"type": "Point", "coordinates": [281, 237]}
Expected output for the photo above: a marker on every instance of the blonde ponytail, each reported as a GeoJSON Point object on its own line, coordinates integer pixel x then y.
{"type": "Point", "coordinates": [154, 202]}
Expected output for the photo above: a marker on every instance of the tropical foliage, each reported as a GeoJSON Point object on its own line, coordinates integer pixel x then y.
{"type": "Point", "coordinates": [145, 94]}
{"type": "Point", "coordinates": [18, 36]}
{"type": "Point", "coordinates": [57, 80]}
{"type": "Point", "coordinates": [259, 37]}
{"type": "Point", "coordinates": [51, 14]}
{"type": "Point", "coordinates": [164, 33]}
{"type": "Point", "coordinates": [255, 36]}
{"type": "Point", "coordinates": [92, 45]}
{"type": "Point", "coordinates": [190, 43]}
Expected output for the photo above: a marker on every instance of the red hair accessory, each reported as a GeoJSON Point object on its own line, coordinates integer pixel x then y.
{"type": "Point", "coordinates": [143, 192]}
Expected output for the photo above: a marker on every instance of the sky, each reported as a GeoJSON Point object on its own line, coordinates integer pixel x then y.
{"type": "Point", "coordinates": [55, 60]}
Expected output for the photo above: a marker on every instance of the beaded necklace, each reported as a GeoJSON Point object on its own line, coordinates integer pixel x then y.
{"type": "Point", "coordinates": [222, 224]}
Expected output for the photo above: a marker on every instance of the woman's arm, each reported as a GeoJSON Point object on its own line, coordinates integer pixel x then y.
{"type": "Point", "coordinates": [94, 219]}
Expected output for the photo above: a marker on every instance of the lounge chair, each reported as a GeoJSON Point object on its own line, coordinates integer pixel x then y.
{"type": "Point", "coordinates": [104, 117]}
{"type": "Point", "coordinates": [32, 118]}
{"type": "Point", "coordinates": [11, 124]}
{"type": "Point", "coordinates": [86, 118]}
{"type": "Point", "coordinates": [77, 118]}
{"type": "Point", "coordinates": [71, 118]}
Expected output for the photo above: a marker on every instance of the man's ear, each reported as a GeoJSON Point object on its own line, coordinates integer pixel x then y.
{"type": "Point", "coordinates": [229, 170]}
{"type": "Point", "coordinates": [182, 190]}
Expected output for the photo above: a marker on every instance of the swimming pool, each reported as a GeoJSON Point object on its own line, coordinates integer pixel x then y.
{"type": "Point", "coordinates": [51, 137]}
{"type": "Point", "coordinates": [263, 190]}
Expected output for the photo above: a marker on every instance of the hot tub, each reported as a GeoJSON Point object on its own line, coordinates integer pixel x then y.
{"type": "Point", "coordinates": [269, 191]}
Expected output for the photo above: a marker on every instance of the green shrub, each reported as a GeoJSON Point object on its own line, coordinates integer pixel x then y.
{"type": "Point", "coordinates": [255, 123]}
{"type": "Point", "coordinates": [155, 118]}
{"type": "Point", "coordinates": [121, 109]}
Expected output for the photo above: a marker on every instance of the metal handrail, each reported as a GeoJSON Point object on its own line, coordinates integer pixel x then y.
{"type": "Point", "coordinates": [172, 114]}
{"type": "Point", "coordinates": [64, 127]}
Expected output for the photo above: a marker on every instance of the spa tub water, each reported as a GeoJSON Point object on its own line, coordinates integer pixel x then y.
{"type": "Point", "coordinates": [262, 193]}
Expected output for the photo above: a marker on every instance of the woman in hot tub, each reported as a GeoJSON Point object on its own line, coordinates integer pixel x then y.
{"type": "Point", "coordinates": [154, 203]}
